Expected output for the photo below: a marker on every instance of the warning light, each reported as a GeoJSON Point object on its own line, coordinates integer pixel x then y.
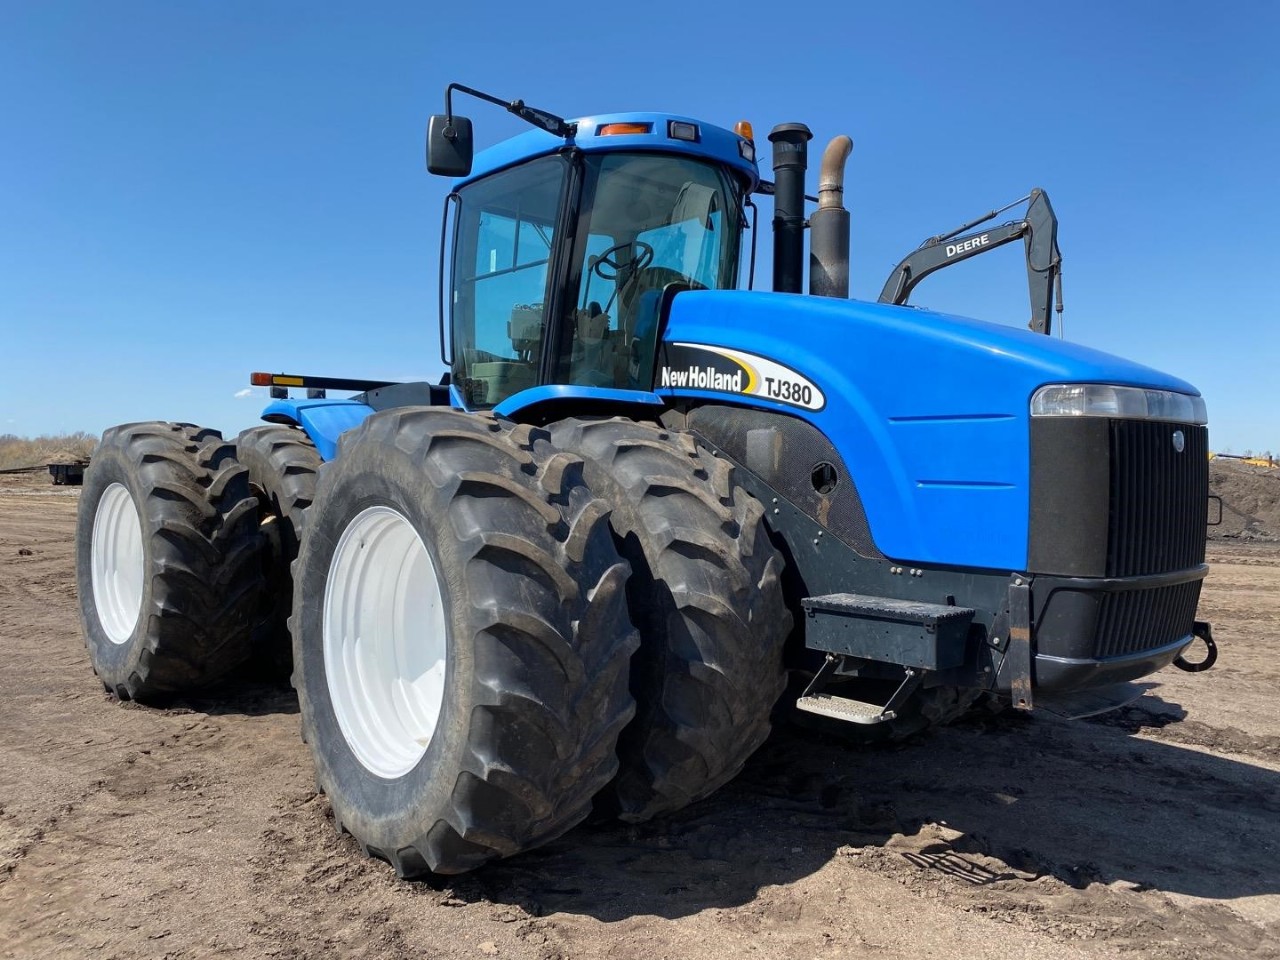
{"type": "Point", "coordinates": [682, 130]}
{"type": "Point", "coordinates": [260, 379]}
{"type": "Point", "coordinates": [614, 129]}
{"type": "Point", "coordinates": [743, 129]}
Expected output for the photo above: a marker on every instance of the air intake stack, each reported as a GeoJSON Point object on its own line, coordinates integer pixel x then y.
{"type": "Point", "coordinates": [790, 159]}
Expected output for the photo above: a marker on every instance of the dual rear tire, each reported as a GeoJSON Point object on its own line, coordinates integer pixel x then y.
{"type": "Point", "coordinates": [706, 594]}
{"type": "Point", "coordinates": [283, 465]}
{"type": "Point", "coordinates": [470, 680]}
{"type": "Point", "coordinates": [168, 559]}
{"type": "Point", "coordinates": [471, 684]}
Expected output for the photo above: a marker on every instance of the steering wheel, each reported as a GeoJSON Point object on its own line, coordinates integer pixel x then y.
{"type": "Point", "coordinates": [608, 267]}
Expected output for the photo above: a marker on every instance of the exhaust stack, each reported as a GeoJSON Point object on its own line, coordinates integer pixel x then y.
{"type": "Point", "coordinates": [790, 159]}
{"type": "Point", "coordinates": [829, 226]}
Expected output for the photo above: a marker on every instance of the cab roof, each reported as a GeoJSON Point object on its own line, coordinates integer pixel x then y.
{"type": "Point", "coordinates": [594, 136]}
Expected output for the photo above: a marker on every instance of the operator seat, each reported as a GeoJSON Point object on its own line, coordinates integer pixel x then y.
{"type": "Point", "coordinates": [593, 347]}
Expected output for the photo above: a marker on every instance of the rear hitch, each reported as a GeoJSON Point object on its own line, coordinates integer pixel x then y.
{"type": "Point", "coordinates": [1203, 632]}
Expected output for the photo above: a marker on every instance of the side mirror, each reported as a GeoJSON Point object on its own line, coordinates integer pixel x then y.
{"type": "Point", "coordinates": [449, 146]}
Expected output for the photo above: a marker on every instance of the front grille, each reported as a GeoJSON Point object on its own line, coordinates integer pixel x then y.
{"type": "Point", "coordinates": [1159, 498]}
{"type": "Point", "coordinates": [1134, 621]}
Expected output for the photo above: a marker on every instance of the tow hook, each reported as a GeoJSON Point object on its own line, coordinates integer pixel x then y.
{"type": "Point", "coordinates": [1203, 632]}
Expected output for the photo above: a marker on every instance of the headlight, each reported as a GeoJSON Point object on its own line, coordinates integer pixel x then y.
{"type": "Point", "coordinates": [1105, 400]}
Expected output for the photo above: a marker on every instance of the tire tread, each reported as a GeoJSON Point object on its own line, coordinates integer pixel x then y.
{"type": "Point", "coordinates": [530, 530]}
{"type": "Point", "coordinates": [707, 596]}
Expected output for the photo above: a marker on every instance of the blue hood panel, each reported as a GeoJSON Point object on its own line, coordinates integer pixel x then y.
{"type": "Point", "coordinates": [930, 412]}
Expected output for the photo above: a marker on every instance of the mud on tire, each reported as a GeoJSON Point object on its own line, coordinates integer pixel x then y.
{"type": "Point", "coordinates": [534, 640]}
{"type": "Point", "coordinates": [168, 559]}
{"type": "Point", "coordinates": [706, 595]}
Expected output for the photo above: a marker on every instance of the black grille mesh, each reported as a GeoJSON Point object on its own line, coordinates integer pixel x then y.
{"type": "Point", "coordinates": [1135, 621]}
{"type": "Point", "coordinates": [1159, 498]}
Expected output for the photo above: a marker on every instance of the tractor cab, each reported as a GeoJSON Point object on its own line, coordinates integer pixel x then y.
{"type": "Point", "coordinates": [562, 249]}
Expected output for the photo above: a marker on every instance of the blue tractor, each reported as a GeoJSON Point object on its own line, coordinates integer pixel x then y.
{"type": "Point", "coordinates": [647, 509]}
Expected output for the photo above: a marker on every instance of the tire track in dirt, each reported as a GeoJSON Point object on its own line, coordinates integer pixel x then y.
{"type": "Point", "coordinates": [164, 824]}
{"type": "Point", "coordinates": [1032, 847]}
{"type": "Point", "coordinates": [806, 810]}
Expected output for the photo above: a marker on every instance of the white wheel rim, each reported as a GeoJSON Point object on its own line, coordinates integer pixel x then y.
{"type": "Point", "coordinates": [117, 563]}
{"type": "Point", "coordinates": [384, 641]}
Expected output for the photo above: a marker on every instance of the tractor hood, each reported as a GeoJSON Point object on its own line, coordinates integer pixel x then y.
{"type": "Point", "coordinates": [930, 412]}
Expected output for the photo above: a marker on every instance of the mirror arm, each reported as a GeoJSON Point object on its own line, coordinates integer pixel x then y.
{"type": "Point", "coordinates": [538, 118]}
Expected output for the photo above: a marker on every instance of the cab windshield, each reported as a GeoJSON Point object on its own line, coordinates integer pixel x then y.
{"type": "Point", "coordinates": [646, 221]}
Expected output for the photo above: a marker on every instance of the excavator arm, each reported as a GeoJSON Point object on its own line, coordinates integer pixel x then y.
{"type": "Point", "coordinates": [1039, 231]}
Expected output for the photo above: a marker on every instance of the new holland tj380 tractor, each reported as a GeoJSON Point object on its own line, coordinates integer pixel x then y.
{"type": "Point", "coordinates": [577, 573]}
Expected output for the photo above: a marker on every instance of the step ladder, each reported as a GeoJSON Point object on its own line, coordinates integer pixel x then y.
{"type": "Point", "coordinates": [848, 709]}
{"type": "Point", "coordinates": [916, 636]}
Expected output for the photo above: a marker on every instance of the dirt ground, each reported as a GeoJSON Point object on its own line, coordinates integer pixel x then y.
{"type": "Point", "coordinates": [195, 831]}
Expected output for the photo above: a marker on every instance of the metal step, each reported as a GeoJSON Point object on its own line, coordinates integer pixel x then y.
{"type": "Point", "coordinates": [842, 708]}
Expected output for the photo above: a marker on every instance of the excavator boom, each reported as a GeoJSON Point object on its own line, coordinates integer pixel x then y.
{"type": "Point", "coordinates": [1039, 231]}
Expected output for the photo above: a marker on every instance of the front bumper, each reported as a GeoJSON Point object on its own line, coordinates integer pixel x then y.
{"type": "Point", "coordinates": [1092, 631]}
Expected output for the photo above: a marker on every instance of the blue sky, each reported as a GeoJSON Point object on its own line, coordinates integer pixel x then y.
{"type": "Point", "coordinates": [193, 190]}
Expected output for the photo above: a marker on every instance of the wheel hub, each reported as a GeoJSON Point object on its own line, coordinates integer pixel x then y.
{"type": "Point", "coordinates": [384, 639]}
{"type": "Point", "coordinates": [117, 563]}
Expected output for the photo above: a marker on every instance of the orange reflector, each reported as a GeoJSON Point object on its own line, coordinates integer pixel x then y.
{"type": "Point", "coordinates": [743, 129]}
{"type": "Point", "coordinates": [274, 380]}
{"type": "Point", "coordinates": [613, 129]}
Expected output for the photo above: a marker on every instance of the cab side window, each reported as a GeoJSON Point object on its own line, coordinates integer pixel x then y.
{"type": "Point", "coordinates": [504, 239]}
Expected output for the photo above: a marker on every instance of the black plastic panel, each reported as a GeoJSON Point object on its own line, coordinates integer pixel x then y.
{"type": "Point", "coordinates": [407, 395]}
{"type": "Point", "coordinates": [785, 452]}
{"type": "Point", "coordinates": [1070, 496]}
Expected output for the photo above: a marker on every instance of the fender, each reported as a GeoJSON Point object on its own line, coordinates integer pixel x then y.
{"type": "Point", "coordinates": [930, 412]}
{"type": "Point", "coordinates": [553, 401]}
{"type": "Point", "coordinates": [323, 420]}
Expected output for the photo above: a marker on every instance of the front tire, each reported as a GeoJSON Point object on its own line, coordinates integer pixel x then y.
{"type": "Point", "coordinates": [168, 559]}
{"type": "Point", "coordinates": [461, 643]}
